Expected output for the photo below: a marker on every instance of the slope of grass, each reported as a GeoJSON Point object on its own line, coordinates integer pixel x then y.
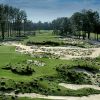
{"type": "Point", "coordinates": [8, 55]}
{"type": "Point", "coordinates": [45, 86]}
{"type": "Point", "coordinates": [43, 36]}
{"type": "Point", "coordinates": [50, 39]}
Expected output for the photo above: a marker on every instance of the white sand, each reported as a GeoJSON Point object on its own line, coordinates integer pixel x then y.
{"type": "Point", "coordinates": [60, 51]}
{"type": "Point", "coordinates": [33, 95]}
{"type": "Point", "coordinates": [29, 49]}
{"type": "Point", "coordinates": [76, 87]}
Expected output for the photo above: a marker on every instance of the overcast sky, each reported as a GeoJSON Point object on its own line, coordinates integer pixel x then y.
{"type": "Point", "coordinates": [47, 10]}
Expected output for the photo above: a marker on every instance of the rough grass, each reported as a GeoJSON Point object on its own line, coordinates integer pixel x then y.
{"type": "Point", "coordinates": [2, 97]}
{"type": "Point", "coordinates": [50, 39]}
{"type": "Point", "coordinates": [8, 55]}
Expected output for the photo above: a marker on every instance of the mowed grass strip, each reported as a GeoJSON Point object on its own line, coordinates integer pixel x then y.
{"type": "Point", "coordinates": [8, 55]}
{"type": "Point", "coordinates": [43, 36]}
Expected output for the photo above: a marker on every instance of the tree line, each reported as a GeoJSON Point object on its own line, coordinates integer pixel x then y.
{"type": "Point", "coordinates": [81, 24]}
{"type": "Point", "coordinates": [39, 25]}
{"type": "Point", "coordinates": [12, 21]}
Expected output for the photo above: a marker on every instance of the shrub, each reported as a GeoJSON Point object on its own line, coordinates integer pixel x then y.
{"type": "Point", "coordinates": [20, 69]}
{"type": "Point", "coordinates": [69, 74]}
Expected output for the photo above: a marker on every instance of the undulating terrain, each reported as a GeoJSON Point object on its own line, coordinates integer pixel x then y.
{"type": "Point", "coordinates": [49, 50]}
{"type": "Point", "coordinates": [32, 69]}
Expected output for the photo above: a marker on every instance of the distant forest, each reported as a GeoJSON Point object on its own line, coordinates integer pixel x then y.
{"type": "Point", "coordinates": [14, 22]}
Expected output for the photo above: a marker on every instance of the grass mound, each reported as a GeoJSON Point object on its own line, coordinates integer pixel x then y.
{"type": "Point", "coordinates": [20, 69]}
{"type": "Point", "coordinates": [46, 78]}
{"type": "Point", "coordinates": [80, 72]}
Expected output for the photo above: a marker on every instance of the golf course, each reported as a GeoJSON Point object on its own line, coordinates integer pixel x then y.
{"type": "Point", "coordinates": [51, 60]}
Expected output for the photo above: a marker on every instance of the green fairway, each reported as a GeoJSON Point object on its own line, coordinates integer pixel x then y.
{"type": "Point", "coordinates": [44, 79]}
{"type": "Point", "coordinates": [8, 55]}
{"type": "Point", "coordinates": [44, 55]}
{"type": "Point", "coordinates": [43, 36]}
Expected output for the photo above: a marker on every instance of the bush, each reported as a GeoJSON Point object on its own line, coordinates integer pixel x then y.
{"type": "Point", "coordinates": [69, 74]}
{"type": "Point", "coordinates": [51, 43]}
{"type": "Point", "coordinates": [20, 69]}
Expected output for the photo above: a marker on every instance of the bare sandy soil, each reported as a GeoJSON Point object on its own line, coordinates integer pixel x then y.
{"type": "Point", "coordinates": [76, 87]}
{"type": "Point", "coordinates": [93, 52]}
{"type": "Point", "coordinates": [62, 52]}
{"type": "Point", "coordinates": [33, 95]}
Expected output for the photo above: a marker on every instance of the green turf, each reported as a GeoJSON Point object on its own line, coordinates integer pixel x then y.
{"type": "Point", "coordinates": [2, 97]}
{"type": "Point", "coordinates": [8, 55]}
{"type": "Point", "coordinates": [43, 36]}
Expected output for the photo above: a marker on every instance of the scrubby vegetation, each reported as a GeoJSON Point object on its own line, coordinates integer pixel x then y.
{"type": "Point", "coordinates": [80, 72]}
{"type": "Point", "coordinates": [36, 64]}
{"type": "Point", "coordinates": [44, 87]}
{"type": "Point", "coordinates": [72, 76]}
{"type": "Point", "coordinates": [20, 69]}
{"type": "Point", "coordinates": [53, 43]}
{"type": "Point", "coordinates": [42, 75]}
{"type": "Point", "coordinates": [4, 97]}
{"type": "Point", "coordinates": [49, 39]}
{"type": "Point", "coordinates": [44, 43]}
{"type": "Point", "coordinates": [42, 72]}
{"type": "Point", "coordinates": [45, 55]}
{"type": "Point", "coordinates": [88, 65]}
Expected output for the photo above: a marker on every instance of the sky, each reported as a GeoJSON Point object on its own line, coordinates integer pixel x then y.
{"type": "Point", "coordinates": [47, 10]}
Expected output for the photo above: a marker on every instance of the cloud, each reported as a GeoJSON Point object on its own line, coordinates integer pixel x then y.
{"type": "Point", "coordinates": [47, 10]}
